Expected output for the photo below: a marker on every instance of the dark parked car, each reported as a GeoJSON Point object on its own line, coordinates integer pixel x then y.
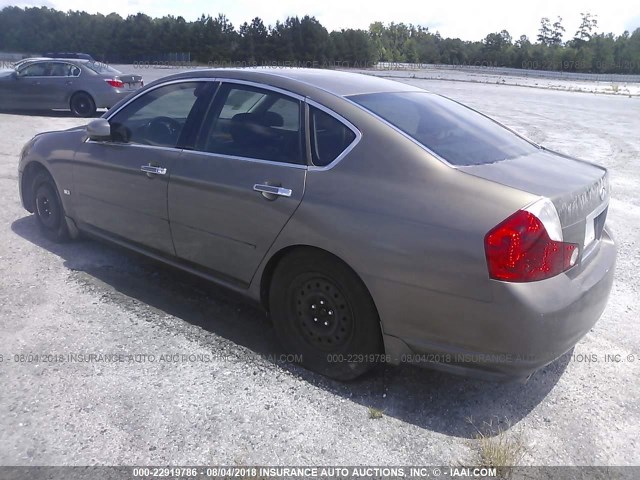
{"type": "Point", "coordinates": [81, 86]}
{"type": "Point", "coordinates": [375, 221]}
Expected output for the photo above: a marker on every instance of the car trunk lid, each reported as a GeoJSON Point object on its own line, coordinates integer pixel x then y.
{"type": "Point", "coordinates": [578, 189]}
{"type": "Point", "coordinates": [131, 82]}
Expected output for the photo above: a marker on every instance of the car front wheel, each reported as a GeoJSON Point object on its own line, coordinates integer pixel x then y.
{"type": "Point", "coordinates": [48, 209]}
{"type": "Point", "coordinates": [82, 105]}
{"type": "Point", "coordinates": [323, 314]}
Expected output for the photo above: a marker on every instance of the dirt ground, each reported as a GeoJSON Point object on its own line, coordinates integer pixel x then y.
{"type": "Point", "coordinates": [222, 395]}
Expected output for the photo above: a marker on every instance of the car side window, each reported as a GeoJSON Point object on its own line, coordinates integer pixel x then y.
{"type": "Point", "coordinates": [63, 69]}
{"type": "Point", "coordinates": [240, 101]}
{"type": "Point", "coordinates": [329, 137]}
{"type": "Point", "coordinates": [35, 70]}
{"type": "Point", "coordinates": [157, 117]}
{"type": "Point", "coordinates": [254, 123]}
{"type": "Point", "coordinates": [60, 69]}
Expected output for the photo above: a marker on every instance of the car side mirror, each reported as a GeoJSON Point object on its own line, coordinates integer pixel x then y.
{"type": "Point", "coordinates": [99, 130]}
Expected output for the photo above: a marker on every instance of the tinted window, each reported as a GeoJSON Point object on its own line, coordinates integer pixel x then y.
{"type": "Point", "coordinates": [454, 132]}
{"type": "Point", "coordinates": [254, 123]}
{"type": "Point", "coordinates": [240, 101]}
{"type": "Point", "coordinates": [157, 117]}
{"type": "Point", "coordinates": [329, 137]}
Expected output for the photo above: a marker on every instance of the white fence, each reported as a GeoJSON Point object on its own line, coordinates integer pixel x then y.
{"type": "Point", "coordinates": [521, 72]}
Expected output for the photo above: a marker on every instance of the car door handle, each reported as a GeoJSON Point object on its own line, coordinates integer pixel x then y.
{"type": "Point", "coordinates": [153, 169]}
{"type": "Point", "coordinates": [269, 190]}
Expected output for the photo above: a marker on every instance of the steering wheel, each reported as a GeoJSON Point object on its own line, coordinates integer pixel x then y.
{"type": "Point", "coordinates": [163, 131]}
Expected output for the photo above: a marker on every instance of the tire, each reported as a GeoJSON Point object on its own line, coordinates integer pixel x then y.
{"type": "Point", "coordinates": [48, 209]}
{"type": "Point", "coordinates": [82, 105]}
{"type": "Point", "coordinates": [323, 313]}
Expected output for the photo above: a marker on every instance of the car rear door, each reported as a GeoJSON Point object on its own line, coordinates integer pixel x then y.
{"type": "Point", "coordinates": [55, 88]}
{"type": "Point", "coordinates": [233, 192]}
{"type": "Point", "coordinates": [121, 183]}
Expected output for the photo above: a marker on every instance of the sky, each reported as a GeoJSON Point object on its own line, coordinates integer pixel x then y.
{"type": "Point", "coordinates": [465, 19]}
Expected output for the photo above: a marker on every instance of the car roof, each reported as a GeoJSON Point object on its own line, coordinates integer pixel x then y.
{"type": "Point", "coordinates": [337, 82]}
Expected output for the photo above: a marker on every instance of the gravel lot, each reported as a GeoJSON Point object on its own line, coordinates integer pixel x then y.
{"type": "Point", "coordinates": [242, 404]}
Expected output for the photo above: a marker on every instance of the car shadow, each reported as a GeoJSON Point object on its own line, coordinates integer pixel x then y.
{"type": "Point", "coordinates": [432, 400]}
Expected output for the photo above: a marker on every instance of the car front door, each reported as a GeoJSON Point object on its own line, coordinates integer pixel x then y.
{"type": "Point", "coordinates": [233, 192]}
{"type": "Point", "coordinates": [121, 183]}
{"type": "Point", "coordinates": [8, 87]}
{"type": "Point", "coordinates": [24, 90]}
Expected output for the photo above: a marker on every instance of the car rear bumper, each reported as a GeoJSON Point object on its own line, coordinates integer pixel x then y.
{"type": "Point", "coordinates": [525, 327]}
{"type": "Point", "coordinates": [109, 98]}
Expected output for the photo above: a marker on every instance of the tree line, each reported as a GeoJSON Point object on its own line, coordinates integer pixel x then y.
{"type": "Point", "coordinates": [215, 40]}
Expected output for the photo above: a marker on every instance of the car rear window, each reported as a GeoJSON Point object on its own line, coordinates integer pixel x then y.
{"type": "Point", "coordinates": [456, 133]}
{"type": "Point", "coordinates": [102, 68]}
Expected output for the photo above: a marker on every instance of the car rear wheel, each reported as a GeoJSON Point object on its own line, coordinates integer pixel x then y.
{"type": "Point", "coordinates": [324, 314]}
{"type": "Point", "coordinates": [48, 209]}
{"type": "Point", "coordinates": [82, 105]}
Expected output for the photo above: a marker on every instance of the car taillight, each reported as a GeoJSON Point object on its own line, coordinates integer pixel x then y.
{"type": "Point", "coordinates": [528, 245]}
{"type": "Point", "coordinates": [115, 83]}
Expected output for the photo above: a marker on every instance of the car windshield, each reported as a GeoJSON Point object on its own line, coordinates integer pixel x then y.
{"type": "Point", "coordinates": [456, 133]}
{"type": "Point", "coordinates": [101, 68]}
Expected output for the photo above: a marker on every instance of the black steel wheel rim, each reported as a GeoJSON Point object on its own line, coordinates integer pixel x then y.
{"type": "Point", "coordinates": [47, 208]}
{"type": "Point", "coordinates": [322, 313]}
